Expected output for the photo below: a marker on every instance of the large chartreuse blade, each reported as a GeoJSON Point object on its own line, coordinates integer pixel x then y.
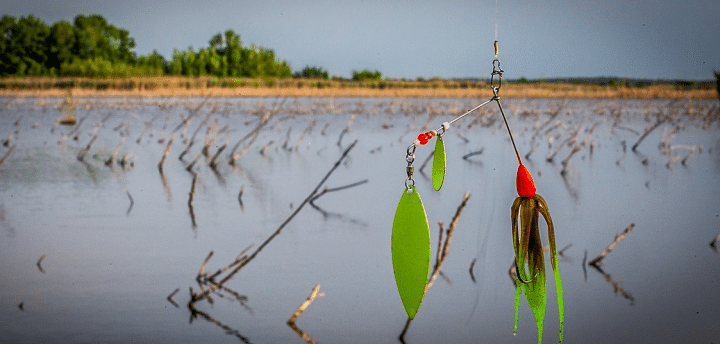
{"type": "Point", "coordinates": [410, 245]}
{"type": "Point", "coordinates": [438, 171]}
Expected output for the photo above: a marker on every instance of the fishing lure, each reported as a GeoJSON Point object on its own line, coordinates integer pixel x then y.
{"type": "Point", "coordinates": [410, 242]}
{"type": "Point", "coordinates": [529, 257]}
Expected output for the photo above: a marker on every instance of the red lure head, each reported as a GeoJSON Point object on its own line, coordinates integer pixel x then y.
{"type": "Point", "coordinates": [524, 182]}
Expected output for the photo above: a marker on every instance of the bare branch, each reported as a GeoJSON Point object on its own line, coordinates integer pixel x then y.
{"type": "Point", "coordinates": [303, 306]}
{"type": "Point", "coordinates": [647, 132]}
{"type": "Point", "coordinates": [39, 263]}
{"type": "Point", "coordinates": [472, 265]}
{"type": "Point", "coordinates": [468, 155]}
{"type": "Point", "coordinates": [339, 188]}
{"type": "Point", "coordinates": [252, 256]}
{"type": "Point", "coordinates": [598, 259]}
{"type": "Point", "coordinates": [7, 154]}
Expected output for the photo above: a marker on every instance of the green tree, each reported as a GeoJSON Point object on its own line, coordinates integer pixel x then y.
{"type": "Point", "coordinates": [312, 72]}
{"type": "Point", "coordinates": [60, 43]}
{"type": "Point", "coordinates": [188, 63]}
{"type": "Point", "coordinates": [91, 46]}
{"type": "Point", "coordinates": [250, 63]}
{"type": "Point", "coordinates": [7, 63]}
{"type": "Point", "coordinates": [152, 64]}
{"type": "Point", "coordinates": [233, 53]}
{"type": "Point", "coordinates": [23, 47]}
{"type": "Point", "coordinates": [228, 47]}
{"type": "Point", "coordinates": [283, 69]}
{"type": "Point", "coordinates": [175, 65]}
{"type": "Point", "coordinates": [366, 74]}
{"type": "Point", "coordinates": [216, 64]}
{"type": "Point", "coordinates": [95, 37]}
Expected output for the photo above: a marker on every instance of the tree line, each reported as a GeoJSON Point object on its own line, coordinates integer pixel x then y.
{"type": "Point", "coordinates": [92, 47]}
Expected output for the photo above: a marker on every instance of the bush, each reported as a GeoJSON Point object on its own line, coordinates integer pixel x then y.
{"type": "Point", "coordinates": [101, 68]}
{"type": "Point", "coordinates": [312, 72]}
{"type": "Point", "coordinates": [366, 75]}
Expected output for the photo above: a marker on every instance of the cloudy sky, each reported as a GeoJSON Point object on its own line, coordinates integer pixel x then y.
{"type": "Point", "coordinates": [663, 39]}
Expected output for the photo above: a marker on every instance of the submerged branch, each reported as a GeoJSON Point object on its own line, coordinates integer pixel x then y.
{"type": "Point", "coordinates": [468, 155]}
{"type": "Point", "coordinates": [598, 260]}
{"type": "Point", "coordinates": [346, 130]}
{"type": "Point", "coordinates": [7, 154]}
{"type": "Point", "coordinates": [303, 306]}
{"type": "Point", "coordinates": [228, 329]}
{"type": "Point", "coordinates": [713, 244]}
{"type": "Point", "coordinates": [191, 196]}
{"type": "Point", "coordinates": [39, 263]}
{"type": "Point", "coordinates": [169, 297]}
{"type": "Point", "coordinates": [339, 188]}
{"type": "Point", "coordinates": [472, 265]}
{"type": "Point", "coordinates": [616, 286]}
{"type": "Point", "coordinates": [647, 132]}
{"type": "Point", "coordinates": [83, 152]}
{"type": "Point", "coordinates": [132, 203]}
{"type": "Point", "coordinates": [115, 152]}
{"type": "Point", "coordinates": [205, 293]}
{"type": "Point", "coordinates": [165, 153]}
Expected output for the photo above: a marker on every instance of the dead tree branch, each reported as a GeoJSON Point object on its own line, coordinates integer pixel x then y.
{"type": "Point", "coordinates": [303, 306]}
{"type": "Point", "coordinates": [472, 265]}
{"type": "Point", "coordinates": [132, 203]}
{"type": "Point", "coordinates": [647, 132]}
{"type": "Point", "coordinates": [339, 188]}
{"type": "Point", "coordinates": [300, 309]}
{"type": "Point", "coordinates": [166, 153]}
{"type": "Point", "coordinates": [191, 196]}
{"type": "Point", "coordinates": [228, 329]}
{"type": "Point", "coordinates": [598, 260]}
{"type": "Point", "coordinates": [205, 293]}
{"type": "Point", "coordinates": [39, 263]}
{"type": "Point", "coordinates": [7, 154]}
{"type": "Point", "coordinates": [468, 155]}
{"type": "Point", "coordinates": [617, 288]}
{"type": "Point", "coordinates": [713, 244]}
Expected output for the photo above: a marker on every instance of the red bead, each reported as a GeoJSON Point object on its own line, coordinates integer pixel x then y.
{"type": "Point", "coordinates": [524, 182]}
{"type": "Point", "coordinates": [423, 138]}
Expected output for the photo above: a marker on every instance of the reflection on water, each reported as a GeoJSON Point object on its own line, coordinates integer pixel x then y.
{"type": "Point", "coordinates": [105, 223]}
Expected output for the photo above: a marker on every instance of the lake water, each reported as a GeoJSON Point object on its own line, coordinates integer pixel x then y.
{"type": "Point", "coordinates": [90, 252]}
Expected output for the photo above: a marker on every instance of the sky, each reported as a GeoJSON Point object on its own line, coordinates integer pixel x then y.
{"type": "Point", "coordinates": [663, 39]}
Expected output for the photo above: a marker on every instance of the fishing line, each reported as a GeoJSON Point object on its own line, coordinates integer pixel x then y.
{"type": "Point", "coordinates": [496, 25]}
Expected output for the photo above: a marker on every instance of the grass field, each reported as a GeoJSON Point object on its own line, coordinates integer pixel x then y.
{"type": "Point", "coordinates": [289, 87]}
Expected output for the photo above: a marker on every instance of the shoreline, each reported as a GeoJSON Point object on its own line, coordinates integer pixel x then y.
{"type": "Point", "coordinates": [215, 87]}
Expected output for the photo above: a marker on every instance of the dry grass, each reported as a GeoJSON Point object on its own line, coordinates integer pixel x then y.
{"type": "Point", "coordinates": [234, 87]}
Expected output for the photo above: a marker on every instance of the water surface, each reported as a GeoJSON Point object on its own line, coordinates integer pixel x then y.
{"type": "Point", "coordinates": [118, 240]}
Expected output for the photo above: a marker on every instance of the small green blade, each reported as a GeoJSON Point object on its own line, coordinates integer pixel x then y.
{"type": "Point", "coordinates": [438, 171]}
{"type": "Point", "coordinates": [410, 244]}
